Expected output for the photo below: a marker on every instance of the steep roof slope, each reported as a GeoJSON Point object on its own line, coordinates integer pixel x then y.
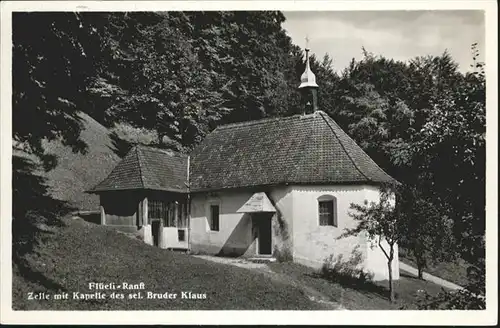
{"type": "Point", "coordinates": [300, 149]}
{"type": "Point", "coordinates": [147, 168]}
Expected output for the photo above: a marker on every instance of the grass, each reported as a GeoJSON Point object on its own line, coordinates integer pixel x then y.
{"type": "Point", "coordinates": [77, 172]}
{"type": "Point", "coordinates": [455, 272]}
{"type": "Point", "coordinates": [72, 256]}
{"type": "Point", "coordinates": [368, 297]}
{"type": "Point", "coordinates": [80, 252]}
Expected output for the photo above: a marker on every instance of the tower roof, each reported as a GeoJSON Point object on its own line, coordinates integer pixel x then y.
{"type": "Point", "coordinates": [308, 79]}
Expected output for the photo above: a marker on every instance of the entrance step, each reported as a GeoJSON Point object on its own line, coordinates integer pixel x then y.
{"type": "Point", "coordinates": [262, 259]}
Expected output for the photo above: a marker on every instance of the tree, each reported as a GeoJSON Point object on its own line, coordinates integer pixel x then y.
{"type": "Point", "coordinates": [379, 221]}
{"type": "Point", "coordinates": [251, 51]}
{"type": "Point", "coordinates": [328, 84]}
{"type": "Point", "coordinates": [182, 74]}
{"type": "Point", "coordinates": [54, 58]}
{"type": "Point", "coordinates": [52, 63]}
{"type": "Point", "coordinates": [372, 106]}
{"type": "Point", "coordinates": [424, 233]}
{"type": "Point", "coordinates": [452, 139]}
{"type": "Point", "coordinates": [156, 80]}
{"type": "Point", "coordinates": [420, 121]}
{"type": "Point", "coordinates": [472, 297]}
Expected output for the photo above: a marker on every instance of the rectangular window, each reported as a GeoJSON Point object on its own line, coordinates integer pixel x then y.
{"type": "Point", "coordinates": [170, 219]}
{"type": "Point", "coordinates": [156, 210]}
{"type": "Point", "coordinates": [327, 213]}
{"type": "Point", "coordinates": [214, 217]}
{"type": "Point", "coordinates": [181, 235]}
{"type": "Point", "coordinates": [171, 213]}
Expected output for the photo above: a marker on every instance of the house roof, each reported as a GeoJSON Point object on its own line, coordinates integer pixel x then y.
{"type": "Point", "coordinates": [300, 149]}
{"type": "Point", "coordinates": [147, 168]}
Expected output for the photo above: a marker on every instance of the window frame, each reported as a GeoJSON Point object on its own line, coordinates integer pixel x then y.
{"type": "Point", "coordinates": [171, 213]}
{"type": "Point", "coordinates": [211, 225]}
{"type": "Point", "coordinates": [181, 235]}
{"type": "Point", "coordinates": [332, 219]}
{"type": "Point", "coordinates": [157, 206]}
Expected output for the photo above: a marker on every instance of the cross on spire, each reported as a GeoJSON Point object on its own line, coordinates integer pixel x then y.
{"type": "Point", "coordinates": [307, 41]}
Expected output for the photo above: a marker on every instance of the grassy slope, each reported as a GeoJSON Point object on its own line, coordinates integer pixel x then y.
{"type": "Point", "coordinates": [373, 297]}
{"type": "Point", "coordinates": [455, 272]}
{"type": "Point", "coordinates": [76, 173]}
{"type": "Point", "coordinates": [81, 252]}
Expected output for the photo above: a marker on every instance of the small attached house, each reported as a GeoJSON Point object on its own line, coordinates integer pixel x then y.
{"type": "Point", "coordinates": [278, 187]}
{"type": "Point", "coordinates": [147, 193]}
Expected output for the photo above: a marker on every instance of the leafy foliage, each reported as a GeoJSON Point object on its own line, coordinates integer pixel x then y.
{"type": "Point", "coordinates": [48, 87]}
{"type": "Point", "coordinates": [456, 300]}
{"type": "Point", "coordinates": [379, 221]}
{"type": "Point", "coordinates": [420, 121]}
{"type": "Point", "coordinates": [424, 233]}
{"type": "Point", "coordinates": [181, 74]}
{"type": "Point", "coordinates": [347, 272]}
{"type": "Point", "coordinates": [53, 61]}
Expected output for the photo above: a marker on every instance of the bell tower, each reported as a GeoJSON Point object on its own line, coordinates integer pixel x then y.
{"type": "Point", "coordinates": [308, 87]}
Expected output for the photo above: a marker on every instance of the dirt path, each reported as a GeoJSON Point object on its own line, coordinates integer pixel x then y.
{"type": "Point", "coordinates": [429, 277]}
{"type": "Point", "coordinates": [312, 293]}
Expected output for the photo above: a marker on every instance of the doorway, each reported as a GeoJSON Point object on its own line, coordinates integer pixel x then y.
{"type": "Point", "coordinates": [264, 235]}
{"type": "Point", "coordinates": [155, 230]}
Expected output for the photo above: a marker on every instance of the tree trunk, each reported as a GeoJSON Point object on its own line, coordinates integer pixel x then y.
{"type": "Point", "coordinates": [420, 266]}
{"type": "Point", "coordinates": [391, 283]}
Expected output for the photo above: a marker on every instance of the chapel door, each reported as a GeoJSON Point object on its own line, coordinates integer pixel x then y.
{"type": "Point", "coordinates": [264, 228]}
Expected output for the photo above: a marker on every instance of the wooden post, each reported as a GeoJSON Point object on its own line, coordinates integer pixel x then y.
{"type": "Point", "coordinates": [139, 214]}
{"type": "Point", "coordinates": [103, 215]}
{"type": "Point", "coordinates": [145, 220]}
{"type": "Point", "coordinates": [148, 237]}
{"type": "Point", "coordinates": [176, 214]}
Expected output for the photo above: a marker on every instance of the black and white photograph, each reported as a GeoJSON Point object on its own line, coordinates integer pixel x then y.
{"type": "Point", "coordinates": [333, 161]}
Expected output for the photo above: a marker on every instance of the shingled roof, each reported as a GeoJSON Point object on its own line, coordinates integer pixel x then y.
{"type": "Point", "coordinates": [300, 149]}
{"type": "Point", "coordinates": [147, 168]}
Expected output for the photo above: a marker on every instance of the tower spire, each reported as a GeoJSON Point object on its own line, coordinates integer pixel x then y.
{"type": "Point", "coordinates": [308, 86]}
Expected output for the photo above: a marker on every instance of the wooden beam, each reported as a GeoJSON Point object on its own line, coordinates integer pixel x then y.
{"type": "Point", "coordinates": [103, 215]}
{"type": "Point", "coordinates": [145, 220]}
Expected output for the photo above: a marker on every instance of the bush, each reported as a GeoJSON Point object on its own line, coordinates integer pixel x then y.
{"type": "Point", "coordinates": [455, 300]}
{"type": "Point", "coordinates": [283, 254]}
{"type": "Point", "coordinates": [470, 298]}
{"type": "Point", "coordinates": [346, 272]}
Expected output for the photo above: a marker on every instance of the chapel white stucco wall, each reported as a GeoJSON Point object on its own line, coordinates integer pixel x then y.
{"type": "Point", "coordinates": [282, 225]}
{"type": "Point", "coordinates": [314, 244]}
{"type": "Point", "coordinates": [377, 261]}
{"type": "Point", "coordinates": [169, 238]}
{"type": "Point", "coordinates": [237, 234]}
{"type": "Point", "coordinates": [296, 231]}
{"type": "Point", "coordinates": [235, 229]}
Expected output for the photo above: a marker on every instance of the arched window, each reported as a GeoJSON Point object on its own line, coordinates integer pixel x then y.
{"type": "Point", "coordinates": [327, 210]}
